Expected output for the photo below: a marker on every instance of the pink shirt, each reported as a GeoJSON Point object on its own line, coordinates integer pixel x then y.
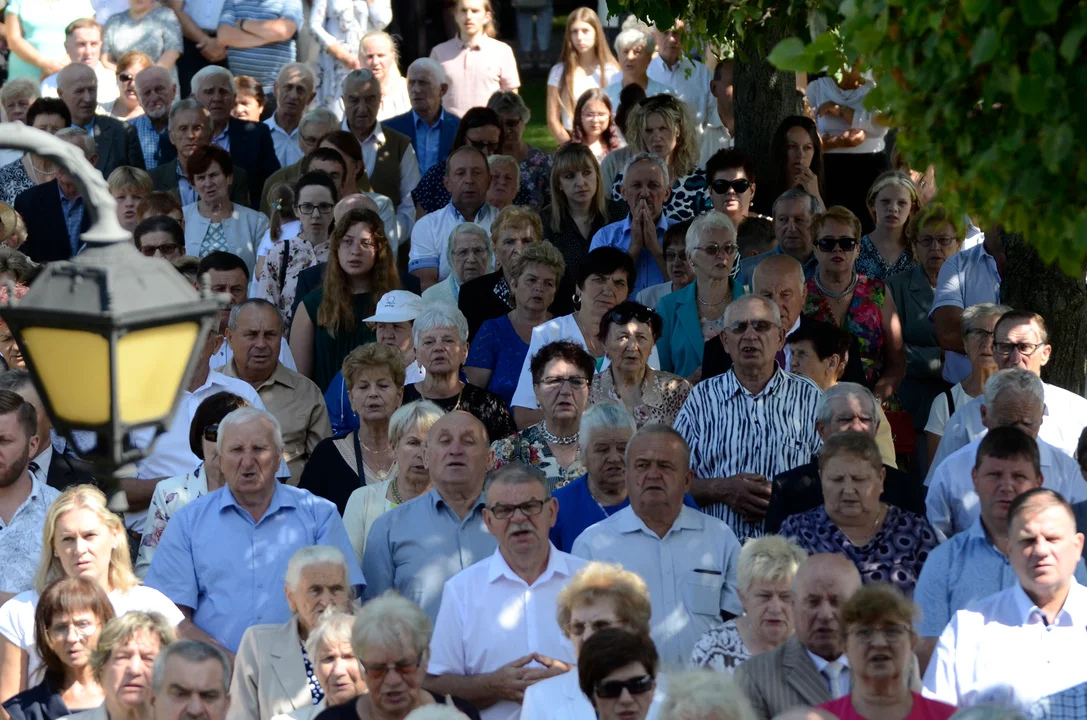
{"type": "Point", "coordinates": [923, 709]}
{"type": "Point", "coordinates": [475, 72]}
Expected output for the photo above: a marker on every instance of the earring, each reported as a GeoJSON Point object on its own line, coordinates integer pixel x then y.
{"type": "Point", "coordinates": [577, 300]}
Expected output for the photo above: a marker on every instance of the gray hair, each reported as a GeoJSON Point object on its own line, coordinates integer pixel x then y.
{"type": "Point", "coordinates": [318, 115]}
{"type": "Point", "coordinates": [633, 37]}
{"type": "Point", "coordinates": [244, 416]}
{"type": "Point", "coordinates": [517, 473]}
{"type": "Point", "coordinates": [235, 311]}
{"type": "Point", "coordinates": [981, 310]}
{"type": "Point", "coordinates": [193, 651]}
{"type": "Point", "coordinates": [824, 409]}
{"type": "Point", "coordinates": [990, 711]}
{"type": "Point", "coordinates": [439, 315]}
{"type": "Point", "coordinates": [638, 157]}
{"type": "Point", "coordinates": [361, 76]}
{"type": "Point", "coordinates": [189, 103]}
{"type": "Point", "coordinates": [476, 231]}
{"type": "Point", "coordinates": [334, 625]}
{"type": "Point", "coordinates": [659, 429]}
{"type": "Point", "coordinates": [771, 558]}
{"type": "Point", "coordinates": [421, 414]}
{"type": "Point", "coordinates": [19, 87]}
{"type": "Point", "coordinates": [507, 101]}
{"type": "Point", "coordinates": [739, 302]}
{"type": "Point", "coordinates": [209, 72]}
{"type": "Point", "coordinates": [15, 380]}
{"type": "Point", "coordinates": [310, 555]}
{"type": "Point", "coordinates": [387, 621]}
{"type": "Point", "coordinates": [506, 159]}
{"type": "Point", "coordinates": [430, 67]}
{"type": "Point", "coordinates": [307, 73]}
{"type": "Point", "coordinates": [703, 693]}
{"type": "Point", "coordinates": [604, 416]}
{"type": "Point", "coordinates": [1013, 380]}
{"type": "Point", "coordinates": [85, 140]}
{"type": "Point", "coordinates": [796, 193]}
{"type": "Point", "coordinates": [703, 225]}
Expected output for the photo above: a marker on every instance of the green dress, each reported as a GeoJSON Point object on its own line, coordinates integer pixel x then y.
{"type": "Point", "coordinates": [329, 351]}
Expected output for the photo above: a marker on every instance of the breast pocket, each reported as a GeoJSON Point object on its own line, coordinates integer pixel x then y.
{"type": "Point", "coordinates": [702, 592]}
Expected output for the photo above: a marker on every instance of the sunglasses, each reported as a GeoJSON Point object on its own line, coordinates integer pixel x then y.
{"type": "Point", "coordinates": [126, 77]}
{"type": "Point", "coordinates": [167, 250]}
{"type": "Point", "coordinates": [611, 689]}
{"type": "Point", "coordinates": [759, 326]}
{"type": "Point", "coordinates": [211, 432]}
{"type": "Point", "coordinates": [721, 187]}
{"type": "Point", "coordinates": [640, 313]}
{"type": "Point", "coordinates": [483, 145]}
{"type": "Point", "coordinates": [827, 244]}
{"type": "Point", "coordinates": [378, 672]}
{"type": "Point", "coordinates": [576, 628]}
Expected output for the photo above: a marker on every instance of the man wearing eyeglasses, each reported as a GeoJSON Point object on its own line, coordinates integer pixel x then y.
{"type": "Point", "coordinates": [496, 632]}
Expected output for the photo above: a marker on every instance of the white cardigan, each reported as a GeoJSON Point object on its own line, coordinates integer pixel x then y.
{"type": "Point", "coordinates": [244, 230]}
{"type": "Point", "coordinates": [364, 506]}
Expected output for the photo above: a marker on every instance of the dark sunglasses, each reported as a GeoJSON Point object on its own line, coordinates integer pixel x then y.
{"type": "Point", "coordinates": [211, 432]}
{"type": "Point", "coordinates": [483, 145]}
{"type": "Point", "coordinates": [611, 689]}
{"type": "Point", "coordinates": [636, 312]}
{"type": "Point", "coordinates": [377, 672]}
{"type": "Point", "coordinates": [721, 187]}
{"type": "Point", "coordinates": [167, 250]}
{"type": "Point", "coordinates": [126, 77]}
{"type": "Point", "coordinates": [827, 244]}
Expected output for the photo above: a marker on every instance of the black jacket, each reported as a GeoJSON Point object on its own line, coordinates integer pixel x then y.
{"type": "Point", "coordinates": [117, 143]}
{"type": "Point", "coordinates": [479, 303]}
{"type": "Point", "coordinates": [66, 471]}
{"type": "Point", "coordinates": [46, 231]}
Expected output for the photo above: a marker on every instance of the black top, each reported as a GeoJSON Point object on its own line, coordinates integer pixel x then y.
{"type": "Point", "coordinates": [574, 248]}
{"type": "Point", "coordinates": [41, 702]}
{"type": "Point", "coordinates": [347, 710]}
{"type": "Point", "coordinates": [481, 300]}
{"type": "Point", "coordinates": [328, 475]}
{"type": "Point", "coordinates": [491, 409]}
{"type": "Point", "coordinates": [800, 490]}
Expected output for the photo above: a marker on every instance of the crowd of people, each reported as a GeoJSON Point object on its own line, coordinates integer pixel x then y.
{"type": "Point", "coordinates": [618, 431]}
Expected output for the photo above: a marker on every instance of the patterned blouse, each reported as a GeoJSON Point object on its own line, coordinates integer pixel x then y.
{"type": "Point", "coordinates": [14, 179]}
{"type": "Point", "coordinates": [317, 694]}
{"type": "Point", "coordinates": [863, 320]}
{"type": "Point", "coordinates": [896, 553]}
{"type": "Point", "coordinates": [300, 255]}
{"type": "Point", "coordinates": [690, 196]}
{"type": "Point", "coordinates": [872, 265]}
{"type": "Point", "coordinates": [535, 190]}
{"type": "Point", "coordinates": [529, 446]}
{"type": "Point", "coordinates": [663, 394]}
{"type": "Point", "coordinates": [720, 649]}
{"type": "Point", "coordinates": [491, 409]}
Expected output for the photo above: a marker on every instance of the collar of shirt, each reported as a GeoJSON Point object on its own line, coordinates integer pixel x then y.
{"type": "Point", "coordinates": [44, 461]}
{"type": "Point", "coordinates": [222, 139]}
{"type": "Point", "coordinates": [557, 564]}
{"type": "Point", "coordinates": [629, 522]}
{"type": "Point", "coordinates": [282, 375]}
{"type": "Point", "coordinates": [214, 378]}
{"type": "Point", "coordinates": [733, 386]}
{"type": "Point", "coordinates": [821, 663]}
{"type": "Point", "coordinates": [280, 499]}
{"type": "Point", "coordinates": [65, 204]}
{"type": "Point", "coordinates": [418, 121]}
{"type": "Point", "coordinates": [481, 214]}
{"type": "Point", "coordinates": [376, 136]}
{"type": "Point", "coordinates": [88, 128]}
{"type": "Point", "coordinates": [1072, 614]}
{"type": "Point", "coordinates": [976, 533]}
{"type": "Point", "coordinates": [274, 127]}
{"type": "Point", "coordinates": [476, 44]}
{"type": "Point", "coordinates": [197, 482]}
{"type": "Point", "coordinates": [438, 501]}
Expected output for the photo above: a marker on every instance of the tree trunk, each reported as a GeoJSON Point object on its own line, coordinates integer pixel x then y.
{"type": "Point", "coordinates": [1030, 284]}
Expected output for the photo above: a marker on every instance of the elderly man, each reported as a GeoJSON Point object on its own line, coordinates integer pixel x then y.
{"type": "Point", "coordinates": [752, 423]}
{"type": "Point", "coordinates": [255, 336]}
{"type": "Point", "coordinates": [810, 668]}
{"type": "Point", "coordinates": [156, 90]}
{"type": "Point", "coordinates": [415, 547]}
{"type": "Point", "coordinates": [687, 558]}
{"type": "Point", "coordinates": [467, 177]}
{"type": "Point", "coordinates": [259, 37]}
{"type": "Point", "coordinates": [223, 593]}
{"type": "Point", "coordinates": [1012, 398]}
{"type": "Point", "coordinates": [313, 126]}
{"type": "Point", "coordinates": [781, 278]}
{"type": "Point", "coordinates": [429, 127]}
{"type": "Point", "coordinates": [792, 214]}
{"type": "Point", "coordinates": [294, 91]}
{"type": "Point", "coordinates": [83, 43]}
{"type": "Point", "coordinates": [1020, 339]}
{"type": "Point", "coordinates": [190, 681]}
{"type": "Point", "coordinates": [645, 189]}
{"type": "Point", "coordinates": [468, 658]}
{"type": "Point", "coordinates": [189, 128]}
{"type": "Point", "coordinates": [54, 212]}
{"type": "Point", "coordinates": [689, 79]}
{"type": "Point", "coordinates": [118, 143]}
{"type": "Point", "coordinates": [844, 407]}
{"type": "Point", "coordinates": [1025, 642]}
{"type": "Point", "coordinates": [387, 154]}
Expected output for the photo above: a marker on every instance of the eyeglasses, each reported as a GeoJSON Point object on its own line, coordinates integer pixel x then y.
{"type": "Point", "coordinates": [892, 633]}
{"type": "Point", "coordinates": [168, 250]}
{"type": "Point", "coordinates": [529, 507]}
{"type": "Point", "coordinates": [980, 333]}
{"type": "Point", "coordinates": [576, 382]}
{"type": "Point", "coordinates": [378, 672]}
{"type": "Point", "coordinates": [740, 185]}
{"type": "Point", "coordinates": [308, 208]}
{"type": "Point", "coordinates": [1025, 349]}
{"type": "Point", "coordinates": [483, 145]}
{"type": "Point", "coordinates": [577, 628]}
{"type": "Point", "coordinates": [828, 244]}
{"type": "Point", "coordinates": [82, 627]}
{"type": "Point", "coordinates": [759, 326]}
{"type": "Point", "coordinates": [714, 250]}
{"type": "Point", "coordinates": [126, 77]}
{"type": "Point", "coordinates": [211, 432]}
{"type": "Point", "coordinates": [611, 689]}
{"type": "Point", "coordinates": [943, 240]}
{"type": "Point", "coordinates": [511, 123]}
{"type": "Point", "coordinates": [632, 312]}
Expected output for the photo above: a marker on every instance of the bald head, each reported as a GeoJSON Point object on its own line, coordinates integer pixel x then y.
{"type": "Point", "coordinates": [774, 267]}
{"type": "Point", "coordinates": [72, 73]}
{"type": "Point", "coordinates": [828, 567]}
{"type": "Point", "coordinates": [458, 455]}
{"type": "Point", "coordinates": [781, 278]}
{"type": "Point", "coordinates": [356, 201]}
{"type": "Point", "coordinates": [822, 586]}
{"type": "Point", "coordinates": [77, 86]}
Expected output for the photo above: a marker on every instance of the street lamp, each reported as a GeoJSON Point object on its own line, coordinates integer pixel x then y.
{"type": "Point", "coordinates": [110, 338]}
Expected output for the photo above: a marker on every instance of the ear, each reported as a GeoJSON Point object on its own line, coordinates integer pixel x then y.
{"type": "Point", "coordinates": [974, 477]}
{"type": "Point", "coordinates": [1046, 352]}
{"type": "Point", "coordinates": [33, 445]}
{"type": "Point", "coordinates": [443, 89]}
{"type": "Point", "coordinates": [984, 414]}
{"type": "Point", "coordinates": [754, 187]}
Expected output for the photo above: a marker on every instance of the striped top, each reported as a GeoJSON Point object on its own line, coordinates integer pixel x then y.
{"type": "Point", "coordinates": [262, 63]}
{"type": "Point", "coordinates": [731, 431]}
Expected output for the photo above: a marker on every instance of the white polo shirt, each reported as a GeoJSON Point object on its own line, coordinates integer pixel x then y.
{"type": "Point", "coordinates": [690, 82]}
{"type": "Point", "coordinates": [430, 237]}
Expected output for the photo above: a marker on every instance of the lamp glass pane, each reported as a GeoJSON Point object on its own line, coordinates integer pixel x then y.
{"type": "Point", "coordinates": [73, 366]}
{"type": "Point", "coordinates": [150, 366]}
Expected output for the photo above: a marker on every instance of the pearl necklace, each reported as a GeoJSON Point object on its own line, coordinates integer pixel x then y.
{"type": "Point", "coordinates": [552, 438]}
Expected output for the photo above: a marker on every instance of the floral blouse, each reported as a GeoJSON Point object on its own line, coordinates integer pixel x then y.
{"type": "Point", "coordinates": [14, 179]}
{"type": "Point", "coordinates": [300, 255]}
{"type": "Point", "coordinates": [690, 196]}
{"type": "Point", "coordinates": [663, 394]}
{"type": "Point", "coordinates": [169, 497]}
{"type": "Point", "coordinates": [720, 649]}
{"type": "Point", "coordinates": [529, 446]}
{"type": "Point", "coordinates": [872, 265]}
{"type": "Point", "coordinates": [863, 320]}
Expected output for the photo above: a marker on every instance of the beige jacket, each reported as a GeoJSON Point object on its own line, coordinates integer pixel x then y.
{"type": "Point", "coordinates": [269, 675]}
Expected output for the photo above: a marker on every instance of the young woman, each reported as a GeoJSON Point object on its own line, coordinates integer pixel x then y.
{"type": "Point", "coordinates": [594, 123]}
{"type": "Point", "coordinates": [892, 201]}
{"type": "Point", "coordinates": [492, 65]}
{"type": "Point", "coordinates": [586, 63]}
{"type": "Point", "coordinates": [796, 157]}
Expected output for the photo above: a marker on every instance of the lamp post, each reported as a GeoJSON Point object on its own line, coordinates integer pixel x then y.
{"type": "Point", "coordinates": [110, 338]}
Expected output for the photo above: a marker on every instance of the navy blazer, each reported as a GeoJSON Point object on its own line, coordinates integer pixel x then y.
{"type": "Point", "coordinates": [251, 148]}
{"type": "Point", "coordinates": [46, 231]}
{"type": "Point", "coordinates": [406, 124]}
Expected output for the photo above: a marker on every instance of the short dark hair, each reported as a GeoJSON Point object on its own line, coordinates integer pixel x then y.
{"type": "Point", "coordinates": [1008, 443]}
{"type": "Point", "coordinates": [211, 412]}
{"type": "Point", "coordinates": [48, 106]}
{"type": "Point", "coordinates": [1023, 317]}
{"type": "Point", "coordinates": [202, 158]}
{"type": "Point", "coordinates": [222, 261]}
{"type": "Point", "coordinates": [320, 179]}
{"type": "Point", "coordinates": [66, 596]}
{"type": "Point", "coordinates": [826, 338]}
{"type": "Point", "coordinates": [1045, 496]}
{"type": "Point", "coordinates": [629, 98]}
{"type": "Point", "coordinates": [465, 149]}
{"type": "Point", "coordinates": [1081, 449]}
{"type": "Point", "coordinates": [631, 311]}
{"type": "Point", "coordinates": [157, 203]}
{"type": "Point", "coordinates": [12, 402]}
{"type": "Point", "coordinates": [727, 159]}
{"type": "Point", "coordinates": [474, 118]}
{"type": "Point", "coordinates": [607, 651]}
{"type": "Point", "coordinates": [159, 223]}
{"type": "Point", "coordinates": [324, 154]}
{"type": "Point", "coordinates": [561, 350]}
{"type": "Point", "coordinates": [677, 233]}
{"type": "Point", "coordinates": [605, 261]}
{"type": "Point", "coordinates": [249, 85]}
{"type": "Point", "coordinates": [755, 234]}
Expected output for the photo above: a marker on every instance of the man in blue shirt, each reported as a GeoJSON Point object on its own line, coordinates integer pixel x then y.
{"type": "Point", "coordinates": [259, 37]}
{"type": "Point", "coordinates": [223, 557]}
{"type": "Point", "coordinates": [645, 189]}
{"type": "Point", "coordinates": [430, 128]}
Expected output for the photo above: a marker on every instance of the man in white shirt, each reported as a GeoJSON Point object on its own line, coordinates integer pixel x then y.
{"type": "Point", "coordinates": [690, 80]}
{"type": "Point", "coordinates": [496, 632]}
{"type": "Point", "coordinates": [687, 558]}
{"type": "Point", "coordinates": [1012, 398]}
{"type": "Point", "coordinates": [1025, 642]}
{"type": "Point", "coordinates": [83, 43]}
{"type": "Point", "coordinates": [719, 136]}
{"type": "Point", "coordinates": [294, 90]}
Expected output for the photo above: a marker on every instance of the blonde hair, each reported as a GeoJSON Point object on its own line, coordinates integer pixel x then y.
{"type": "Point", "coordinates": [123, 628]}
{"type": "Point", "coordinates": [373, 355]}
{"type": "Point", "coordinates": [599, 580]}
{"type": "Point", "coordinates": [19, 88]}
{"type": "Point", "coordinates": [389, 620]}
{"type": "Point", "coordinates": [130, 178]}
{"type": "Point", "coordinates": [574, 157]}
{"type": "Point", "coordinates": [841, 214]}
{"type": "Point", "coordinates": [892, 178]}
{"type": "Point", "coordinates": [933, 214]}
{"type": "Point", "coordinates": [772, 558]}
{"type": "Point", "coordinates": [516, 216]}
{"type": "Point", "coordinates": [133, 58]}
{"type": "Point", "coordinates": [703, 693]}
{"type": "Point", "coordinates": [677, 117]}
{"type": "Point", "coordinates": [85, 497]}
{"type": "Point", "coordinates": [490, 28]}
{"type": "Point", "coordinates": [569, 58]}
{"type": "Point", "coordinates": [543, 254]}
{"type": "Point", "coordinates": [421, 415]}
{"type": "Point", "coordinates": [334, 625]}
{"type": "Point", "coordinates": [877, 602]}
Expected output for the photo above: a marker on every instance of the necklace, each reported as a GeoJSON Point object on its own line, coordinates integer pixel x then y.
{"type": "Point", "coordinates": [551, 438]}
{"type": "Point", "coordinates": [705, 303]}
{"type": "Point", "coordinates": [836, 295]}
{"type": "Point", "coordinates": [395, 492]}
{"type": "Point", "coordinates": [39, 171]}
{"type": "Point", "coordinates": [369, 449]}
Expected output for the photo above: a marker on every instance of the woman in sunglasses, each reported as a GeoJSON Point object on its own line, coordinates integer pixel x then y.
{"type": "Point", "coordinates": [175, 493]}
{"type": "Point", "coordinates": [731, 175]}
{"type": "Point", "coordinates": [617, 671]}
{"type": "Point", "coordinates": [859, 305]}
{"type": "Point", "coordinates": [127, 105]}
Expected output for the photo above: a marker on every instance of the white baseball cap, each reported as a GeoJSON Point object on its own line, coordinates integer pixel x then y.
{"type": "Point", "coordinates": [397, 306]}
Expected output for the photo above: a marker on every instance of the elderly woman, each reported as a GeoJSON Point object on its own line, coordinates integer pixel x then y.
{"type": "Point", "coordinates": [273, 670]}
{"type": "Point", "coordinates": [561, 374]}
{"type": "Point", "coordinates": [16, 97]}
{"type": "Point", "coordinates": [52, 116]}
{"type": "Point", "coordinates": [334, 664]}
{"type": "Point", "coordinates": [214, 221]}
{"type": "Point", "coordinates": [127, 105]}
{"type": "Point", "coordinates": [378, 54]}
{"type": "Point", "coordinates": [837, 293]}
{"type": "Point", "coordinates": [634, 48]}
{"type": "Point", "coordinates": [704, 694]}
{"type": "Point", "coordinates": [629, 332]}
{"type": "Point", "coordinates": [877, 624]}
{"type": "Point", "coordinates": [885, 542]}
{"type": "Point", "coordinates": [696, 313]}
{"type": "Point", "coordinates": [501, 345]}
{"type": "Point", "coordinates": [408, 428]}
{"type": "Point", "coordinates": [249, 99]}
{"type": "Point", "coordinates": [505, 181]}
{"type": "Point", "coordinates": [892, 203]}
{"type": "Point", "coordinates": [765, 573]}
{"type": "Point", "coordinates": [129, 186]}
{"type": "Point", "coordinates": [69, 618]}
{"type": "Point", "coordinates": [598, 596]}
{"type": "Point", "coordinates": [535, 164]}
{"type": "Point", "coordinates": [101, 556]}
{"type": "Point", "coordinates": [374, 375]}
{"type": "Point", "coordinates": [617, 671]}
{"type": "Point", "coordinates": [470, 257]}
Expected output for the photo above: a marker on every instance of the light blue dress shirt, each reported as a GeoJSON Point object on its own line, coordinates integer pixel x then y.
{"type": "Point", "coordinates": [967, 278]}
{"type": "Point", "coordinates": [428, 140]}
{"type": "Point", "coordinates": [214, 559]}
{"type": "Point", "coordinates": [618, 235]}
{"type": "Point", "coordinates": [73, 218]}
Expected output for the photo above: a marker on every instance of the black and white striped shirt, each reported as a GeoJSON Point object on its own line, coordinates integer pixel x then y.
{"type": "Point", "coordinates": [731, 431]}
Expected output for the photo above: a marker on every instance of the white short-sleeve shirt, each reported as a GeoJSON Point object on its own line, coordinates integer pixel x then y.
{"type": "Point", "coordinates": [940, 413]}
{"type": "Point", "coordinates": [582, 82]}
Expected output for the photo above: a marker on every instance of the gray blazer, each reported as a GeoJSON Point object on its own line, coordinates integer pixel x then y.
{"type": "Point", "coordinates": [118, 144]}
{"type": "Point", "coordinates": [781, 679]}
